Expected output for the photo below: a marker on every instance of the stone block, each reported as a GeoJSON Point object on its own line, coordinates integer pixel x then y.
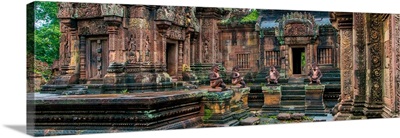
{"type": "Point", "coordinates": [283, 116]}
{"type": "Point", "coordinates": [250, 121]}
{"type": "Point", "coordinates": [297, 116]}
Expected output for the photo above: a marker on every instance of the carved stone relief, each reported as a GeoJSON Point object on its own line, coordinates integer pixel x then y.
{"type": "Point", "coordinates": [112, 10]}
{"type": "Point", "coordinates": [397, 66]}
{"type": "Point", "coordinates": [346, 52]}
{"type": "Point", "coordinates": [376, 61]}
{"type": "Point", "coordinates": [207, 42]}
{"type": "Point", "coordinates": [360, 49]}
{"type": "Point", "coordinates": [87, 10]}
{"type": "Point", "coordinates": [176, 33]}
{"type": "Point", "coordinates": [92, 27]}
{"type": "Point", "coordinates": [65, 10]}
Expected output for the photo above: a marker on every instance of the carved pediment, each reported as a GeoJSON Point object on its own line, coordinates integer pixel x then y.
{"type": "Point", "coordinates": [296, 25]}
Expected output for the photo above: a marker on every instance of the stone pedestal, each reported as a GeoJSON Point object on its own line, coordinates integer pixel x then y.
{"type": "Point", "coordinates": [314, 104]}
{"type": "Point", "coordinates": [217, 110]}
{"type": "Point", "coordinates": [239, 102]}
{"type": "Point", "coordinates": [272, 100]}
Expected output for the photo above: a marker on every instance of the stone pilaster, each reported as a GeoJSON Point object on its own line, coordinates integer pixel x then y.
{"type": "Point", "coordinates": [180, 59]}
{"type": "Point", "coordinates": [344, 23]}
{"type": "Point", "coordinates": [82, 56]}
{"type": "Point", "coordinates": [359, 66]}
{"type": "Point", "coordinates": [113, 14]}
{"type": "Point", "coordinates": [374, 102]}
{"type": "Point", "coordinates": [396, 37]}
{"type": "Point", "coordinates": [209, 34]}
{"type": "Point", "coordinates": [162, 28]}
{"type": "Point", "coordinates": [284, 71]}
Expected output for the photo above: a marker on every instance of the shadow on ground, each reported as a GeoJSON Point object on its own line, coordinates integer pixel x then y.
{"type": "Point", "coordinates": [18, 128]}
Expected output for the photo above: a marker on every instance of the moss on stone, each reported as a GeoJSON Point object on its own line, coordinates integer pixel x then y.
{"type": "Point", "coordinates": [250, 18]}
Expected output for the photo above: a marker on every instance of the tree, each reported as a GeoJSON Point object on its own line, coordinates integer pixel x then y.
{"type": "Point", "coordinates": [47, 32]}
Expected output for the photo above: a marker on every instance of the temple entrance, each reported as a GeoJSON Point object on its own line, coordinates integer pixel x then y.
{"type": "Point", "coordinates": [298, 60]}
{"type": "Point", "coordinates": [97, 57]}
{"type": "Point", "coordinates": [172, 59]}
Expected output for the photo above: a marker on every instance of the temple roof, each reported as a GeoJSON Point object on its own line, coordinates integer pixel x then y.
{"type": "Point", "coordinates": [270, 17]}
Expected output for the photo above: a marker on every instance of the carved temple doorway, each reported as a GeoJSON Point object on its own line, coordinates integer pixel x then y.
{"type": "Point", "coordinates": [298, 60]}
{"type": "Point", "coordinates": [97, 58]}
{"type": "Point", "coordinates": [172, 58]}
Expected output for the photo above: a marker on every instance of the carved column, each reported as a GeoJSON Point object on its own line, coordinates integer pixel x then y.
{"type": "Point", "coordinates": [74, 59]}
{"type": "Point", "coordinates": [373, 106]}
{"type": "Point", "coordinates": [162, 29]}
{"type": "Point", "coordinates": [82, 56]}
{"type": "Point", "coordinates": [344, 21]}
{"type": "Point", "coordinates": [112, 30]}
{"type": "Point", "coordinates": [262, 50]}
{"type": "Point", "coordinates": [396, 37]}
{"type": "Point", "coordinates": [113, 14]}
{"type": "Point", "coordinates": [285, 67]}
{"type": "Point", "coordinates": [180, 60]}
{"type": "Point", "coordinates": [359, 66]}
{"type": "Point", "coordinates": [193, 49]}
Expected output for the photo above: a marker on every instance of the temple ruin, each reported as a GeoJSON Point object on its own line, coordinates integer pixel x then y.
{"type": "Point", "coordinates": [138, 67]}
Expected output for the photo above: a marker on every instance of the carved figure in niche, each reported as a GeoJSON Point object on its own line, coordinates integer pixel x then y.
{"type": "Point", "coordinates": [132, 50]}
{"type": "Point", "coordinates": [215, 78]}
{"type": "Point", "coordinates": [206, 50]}
{"type": "Point", "coordinates": [315, 74]}
{"type": "Point", "coordinates": [236, 78]}
{"type": "Point", "coordinates": [273, 75]}
{"type": "Point", "coordinates": [188, 18]}
{"type": "Point", "coordinates": [147, 52]}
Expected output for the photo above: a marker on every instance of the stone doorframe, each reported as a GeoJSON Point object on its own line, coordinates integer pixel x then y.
{"type": "Point", "coordinates": [296, 29]}
{"type": "Point", "coordinates": [176, 57]}
{"type": "Point", "coordinates": [290, 58]}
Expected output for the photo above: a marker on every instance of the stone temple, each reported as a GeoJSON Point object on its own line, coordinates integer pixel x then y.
{"type": "Point", "coordinates": [137, 67]}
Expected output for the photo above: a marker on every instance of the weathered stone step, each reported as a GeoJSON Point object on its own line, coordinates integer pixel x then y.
{"type": "Point", "coordinates": [293, 92]}
{"type": "Point", "coordinates": [250, 121]}
{"type": "Point", "coordinates": [293, 97]}
{"type": "Point", "coordinates": [293, 109]}
{"type": "Point", "coordinates": [292, 102]}
{"type": "Point", "coordinates": [315, 113]}
{"type": "Point", "coordinates": [292, 87]}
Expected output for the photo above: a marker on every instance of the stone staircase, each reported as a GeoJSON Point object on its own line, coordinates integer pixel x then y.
{"type": "Point", "coordinates": [296, 80]}
{"type": "Point", "coordinates": [76, 90]}
{"type": "Point", "coordinates": [293, 98]}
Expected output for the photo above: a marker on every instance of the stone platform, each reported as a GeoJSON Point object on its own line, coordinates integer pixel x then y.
{"type": "Point", "coordinates": [104, 113]}
{"type": "Point", "coordinates": [272, 100]}
{"type": "Point", "coordinates": [314, 100]}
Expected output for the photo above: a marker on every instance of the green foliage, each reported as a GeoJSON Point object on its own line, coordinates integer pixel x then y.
{"type": "Point", "coordinates": [125, 91]}
{"type": "Point", "coordinates": [46, 32]}
{"type": "Point", "coordinates": [45, 14]}
{"type": "Point", "coordinates": [207, 114]}
{"type": "Point", "coordinates": [303, 59]}
{"type": "Point", "coordinates": [272, 117]}
{"type": "Point", "coordinates": [307, 118]}
{"type": "Point", "coordinates": [252, 17]}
